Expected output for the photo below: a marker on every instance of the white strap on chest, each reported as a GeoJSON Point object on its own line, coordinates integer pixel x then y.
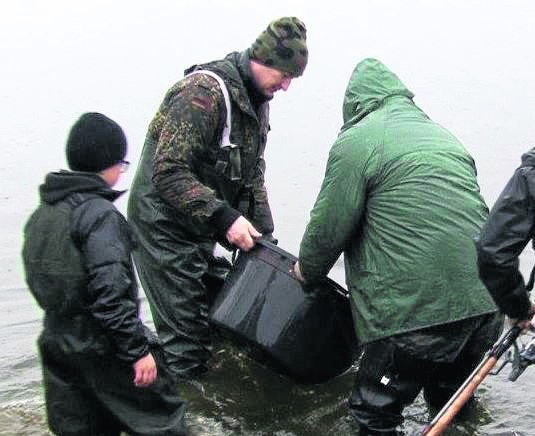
{"type": "Point", "coordinates": [225, 136]}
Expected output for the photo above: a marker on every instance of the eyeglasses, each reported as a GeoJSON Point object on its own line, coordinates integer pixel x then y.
{"type": "Point", "coordinates": [124, 165]}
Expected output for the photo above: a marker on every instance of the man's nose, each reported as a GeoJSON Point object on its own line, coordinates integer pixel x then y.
{"type": "Point", "coordinates": [286, 83]}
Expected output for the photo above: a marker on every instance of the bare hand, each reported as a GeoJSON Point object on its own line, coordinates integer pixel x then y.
{"type": "Point", "coordinates": [145, 371]}
{"type": "Point", "coordinates": [242, 234]}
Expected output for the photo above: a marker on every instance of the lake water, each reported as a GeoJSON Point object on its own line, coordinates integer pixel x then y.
{"type": "Point", "coordinates": [241, 397]}
{"type": "Point", "coordinates": [470, 65]}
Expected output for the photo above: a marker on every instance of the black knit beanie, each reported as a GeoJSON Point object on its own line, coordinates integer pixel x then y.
{"type": "Point", "coordinates": [95, 143]}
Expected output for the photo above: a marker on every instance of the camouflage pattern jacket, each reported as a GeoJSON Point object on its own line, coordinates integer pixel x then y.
{"type": "Point", "coordinates": [185, 177]}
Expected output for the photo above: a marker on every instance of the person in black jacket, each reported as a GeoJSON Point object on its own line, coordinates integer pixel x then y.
{"type": "Point", "coordinates": [508, 229]}
{"type": "Point", "coordinates": [103, 370]}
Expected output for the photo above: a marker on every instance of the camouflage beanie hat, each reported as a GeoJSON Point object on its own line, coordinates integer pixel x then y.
{"type": "Point", "coordinates": [282, 46]}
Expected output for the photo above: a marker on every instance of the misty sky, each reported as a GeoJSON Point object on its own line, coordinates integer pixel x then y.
{"type": "Point", "coordinates": [470, 65]}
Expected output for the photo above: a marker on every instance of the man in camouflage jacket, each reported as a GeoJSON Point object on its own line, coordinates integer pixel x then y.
{"type": "Point", "coordinates": [201, 181]}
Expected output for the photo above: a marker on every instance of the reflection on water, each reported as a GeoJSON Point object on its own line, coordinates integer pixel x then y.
{"type": "Point", "coordinates": [241, 397]}
{"type": "Point", "coordinates": [247, 398]}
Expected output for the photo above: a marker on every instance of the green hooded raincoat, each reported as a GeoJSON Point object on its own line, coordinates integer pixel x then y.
{"type": "Point", "coordinates": [400, 199]}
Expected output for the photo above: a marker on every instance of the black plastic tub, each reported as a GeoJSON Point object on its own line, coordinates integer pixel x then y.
{"type": "Point", "coordinates": [303, 332]}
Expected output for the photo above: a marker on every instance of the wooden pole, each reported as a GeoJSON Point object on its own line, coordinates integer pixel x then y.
{"type": "Point", "coordinates": [463, 394]}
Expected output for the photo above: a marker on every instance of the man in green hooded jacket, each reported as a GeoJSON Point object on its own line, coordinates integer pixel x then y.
{"type": "Point", "coordinates": [201, 181]}
{"type": "Point", "coordinates": [400, 199]}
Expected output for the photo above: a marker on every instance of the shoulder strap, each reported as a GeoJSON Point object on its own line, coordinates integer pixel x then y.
{"type": "Point", "coordinates": [78, 199]}
{"type": "Point", "coordinates": [225, 137]}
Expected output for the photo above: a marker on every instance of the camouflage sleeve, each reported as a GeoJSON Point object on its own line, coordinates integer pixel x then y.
{"type": "Point", "coordinates": [189, 122]}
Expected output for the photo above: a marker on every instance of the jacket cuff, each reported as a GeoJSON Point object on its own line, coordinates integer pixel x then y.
{"type": "Point", "coordinates": [516, 305]}
{"type": "Point", "coordinates": [134, 352]}
{"type": "Point", "coordinates": [309, 274]}
{"type": "Point", "coordinates": [223, 218]}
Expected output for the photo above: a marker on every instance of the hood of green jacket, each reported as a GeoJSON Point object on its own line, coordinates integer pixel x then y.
{"type": "Point", "coordinates": [370, 84]}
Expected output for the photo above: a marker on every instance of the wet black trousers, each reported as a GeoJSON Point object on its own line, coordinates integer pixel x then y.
{"type": "Point", "coordinates": [389, 379]}
{"type": "Point", "coordinates": [180, 279]}
{"type": "Point", "coordinates": [93, 396]}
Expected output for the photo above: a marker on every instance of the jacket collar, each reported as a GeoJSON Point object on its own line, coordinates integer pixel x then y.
{"type": "Point", "coordinates": [59, 185]}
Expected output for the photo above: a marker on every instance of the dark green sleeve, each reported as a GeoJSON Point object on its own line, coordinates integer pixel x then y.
{"type": "Point", "coordinates": [335, 217]}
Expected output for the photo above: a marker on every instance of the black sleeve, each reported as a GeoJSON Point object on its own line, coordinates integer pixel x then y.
{"type": "Point", "coordinates": [102, 234]}
{"type": "Point", "coordinates": [223, 218]}
{"type": "Point", "coordinates": [506, 233]}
